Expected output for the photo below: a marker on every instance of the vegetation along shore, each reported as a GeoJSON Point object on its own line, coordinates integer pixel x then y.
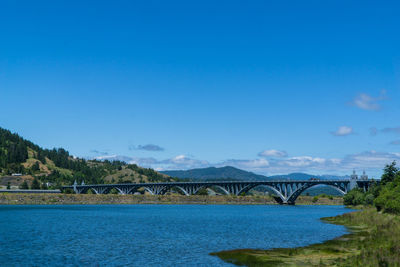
{"type": "Point", "coordinates": [43, 199]}
{"type": "Point", "coordinates": [374, 238]}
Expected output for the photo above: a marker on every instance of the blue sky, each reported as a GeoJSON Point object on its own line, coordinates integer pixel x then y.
{"type": "Point", "coordinates": [268, 86]}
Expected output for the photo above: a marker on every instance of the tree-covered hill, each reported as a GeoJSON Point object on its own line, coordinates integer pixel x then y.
{"type": "Point", "coordinates": [57, 167]}
{"type": "Point", "coordinates": [213, 174]}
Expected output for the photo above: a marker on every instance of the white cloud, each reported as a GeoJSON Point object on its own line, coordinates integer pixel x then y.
{"type": "Point", "coordinates": [367, 102]}
{"type": "Point", "coordinates": [371, 161]}
{"type": "Point", "coordinates": [272, 153]}
{"type": "Point", "coordinates": [303, 161]}
{"type": "Point", "coordinates": [182, 161]}
{"type": "Point", "coordinates": [343, 131]}
{"type": "Point", "coordinates": [252, 164]}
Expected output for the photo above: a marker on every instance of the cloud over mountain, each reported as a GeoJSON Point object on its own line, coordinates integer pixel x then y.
{"type": "Point", "coordinates": [368, 160]}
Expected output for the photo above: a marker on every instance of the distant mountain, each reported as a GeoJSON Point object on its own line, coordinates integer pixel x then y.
{"type": "Point", "coordinates": [232, 173]}
{"type": "Point", "coordinates": [292, 176]}
{"type": "Point", "coordinates": [213, 173]}
{"type": "Point", "coordinates": [305, 176]}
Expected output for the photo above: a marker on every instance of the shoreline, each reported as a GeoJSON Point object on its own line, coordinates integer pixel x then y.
{"type": "Point", "coordinates": [89, 199]}
{"type": "Point", "coordinates": [372, 239]}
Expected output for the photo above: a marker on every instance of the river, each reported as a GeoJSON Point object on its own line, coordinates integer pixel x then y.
{"type": "Point", "coordinates": [154, 235]}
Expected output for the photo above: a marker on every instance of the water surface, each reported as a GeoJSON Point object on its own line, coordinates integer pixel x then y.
{"type": "Point", "coordinates": [154, 235]}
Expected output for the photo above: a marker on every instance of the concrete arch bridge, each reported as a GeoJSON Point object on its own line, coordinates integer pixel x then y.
{"type": "Point", "coordinates": [285, 192]}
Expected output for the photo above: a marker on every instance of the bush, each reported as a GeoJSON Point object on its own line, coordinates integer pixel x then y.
{"type": "Point", "coordinates": [68, 191]}
{"type": "Point", "coordinates": [315, 199]}
{"type": "Point", "coordinates": [369, 199]}
{"type": "Point", "coordinates": [35, 184]}
{"type": "Point", "coordinates": [202, 192]}
{"type": "Point", "coordinates": [389, 198]}
{"type": "Point", "coordinates": [24, 185]}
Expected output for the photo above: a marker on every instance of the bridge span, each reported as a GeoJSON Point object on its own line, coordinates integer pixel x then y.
{"type": "Point", "coordinates": [285, 192]}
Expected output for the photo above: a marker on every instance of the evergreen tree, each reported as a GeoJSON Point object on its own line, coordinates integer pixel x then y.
{"type": "Point", "coordinates": [35, 184]}
{"type": "Point", "coordinates": [40, 156]}
{"type": "Point", "coordinates": [389, 173]}
{"type": "Point", "coordinates": [24, 185]}
{"type": "Point", "coordinates": [35, 166]}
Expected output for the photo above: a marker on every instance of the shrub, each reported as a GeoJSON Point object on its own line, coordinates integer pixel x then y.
{"type": "Point", "coordinates": [369, 199]}
{"type": "Point", "coordinates": [114, 191]}
{"type": "Point", "coordinates": [68, 191]}
{"type": "Point", "coordinates": [24, 185]}
{"type": "Point", "coordinates": [202, 192]}
{"type": "Point", "coordinates": [389, 198]}
{"type": "Point", "coordinates": [35, 184]}
{"type": "Point", "coordinates": [354, 197]}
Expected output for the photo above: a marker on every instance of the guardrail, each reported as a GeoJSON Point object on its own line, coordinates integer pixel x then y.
{"type": "Point", "coordinates": [30, 191]}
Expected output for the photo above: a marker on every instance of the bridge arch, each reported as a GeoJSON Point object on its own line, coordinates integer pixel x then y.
{"type": "Point", "coordinates": [100, 189]}
{"type": "Point", "coordinates": [341, 188]}
{"type": "Point", "coordinates": [226, 192]}
{"type": "Point", "coordinates": [278, 193]}
{"type": "Point", "coordinates": [182, 190]}
{"type": "Point", "coordinates": [124, 190]}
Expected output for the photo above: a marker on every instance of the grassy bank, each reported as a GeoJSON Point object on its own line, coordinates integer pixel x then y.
{"type": "Point", "coordinates": [42, 199]}
{"type": "Point", "coordinates": [374, 241]}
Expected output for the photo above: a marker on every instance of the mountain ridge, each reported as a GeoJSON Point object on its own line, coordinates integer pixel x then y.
{"type": "Point", "coordinates": [220, 173]}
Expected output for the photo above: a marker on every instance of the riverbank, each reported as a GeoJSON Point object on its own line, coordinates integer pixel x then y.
{"type": "Point", "coordinates": [374, 240]}
{"type": "Point", "coordinates": [67, 199]}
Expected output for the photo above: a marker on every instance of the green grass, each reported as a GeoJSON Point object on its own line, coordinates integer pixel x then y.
{"type": "Point", "coordinates": [374, 241]}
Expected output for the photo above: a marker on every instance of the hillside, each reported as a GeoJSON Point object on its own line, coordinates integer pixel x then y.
{"type": "Point", "coordinates": [57, 167]}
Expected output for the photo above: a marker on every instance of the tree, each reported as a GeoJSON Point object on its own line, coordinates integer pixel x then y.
{"type": "Point", "coordinates": [35, 167]}
{"type": "Point", "coordinates": [41, 157]}
{"type": "Point", "coordinates": [44, 186]}
{"type": "Point", "coordinates": [35, 184]}
{"type": "Point", "coordinates": [24, 185]}
{"type": "Point", "coordinates": [8, 186]}
{"type": "Point", "coordinates": [389, 173]}
{"type": "Point", "coordinates": [354, 197]}
{"type": "Point", "coordinates": [203, 192]}
{"type": "Point", "coordinates": [388, 199]}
